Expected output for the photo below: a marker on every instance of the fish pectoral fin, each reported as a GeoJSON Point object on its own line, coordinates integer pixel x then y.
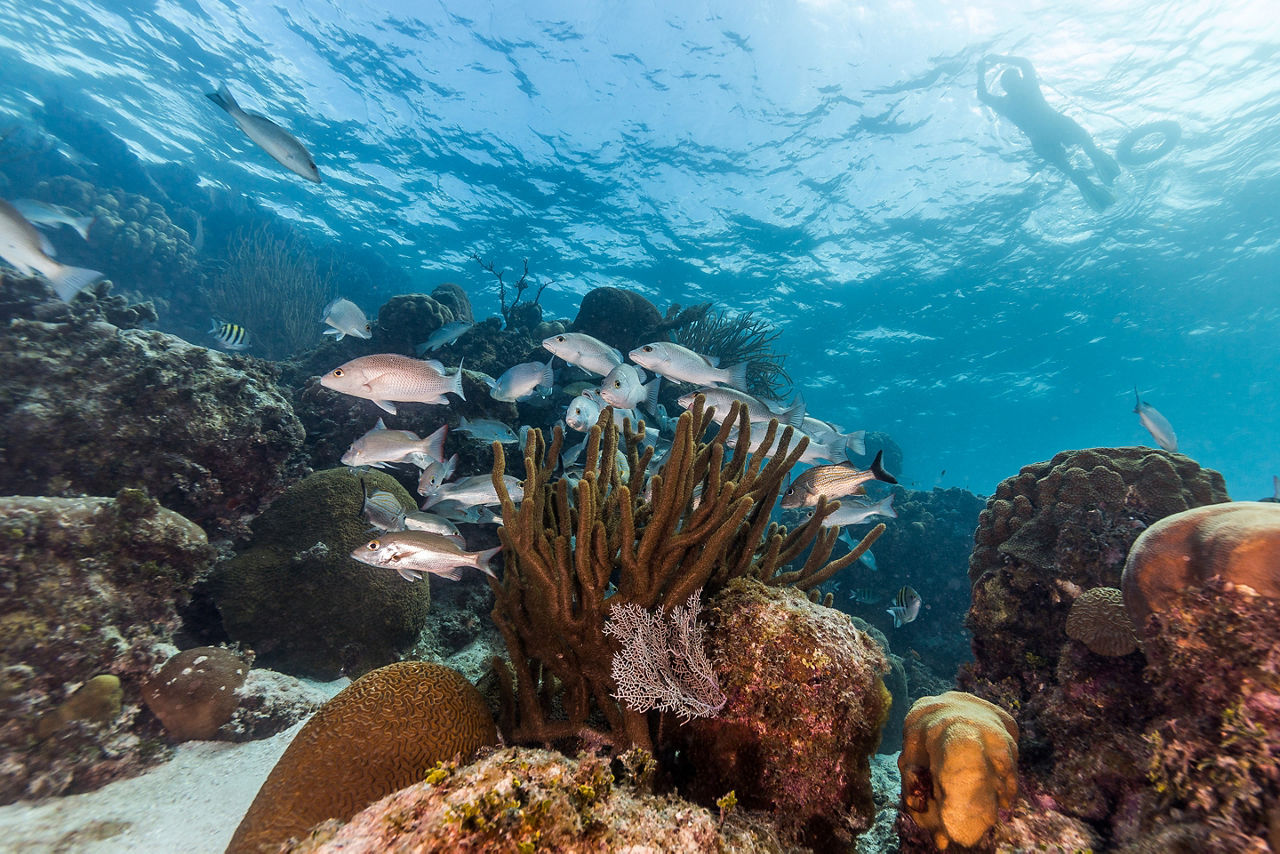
{"type": "Point", "coordinates": [453, 573]}
{"type": "Point", "coordinates": [386, 405]}
{"type": "Point", "coordinates": [408, 574]}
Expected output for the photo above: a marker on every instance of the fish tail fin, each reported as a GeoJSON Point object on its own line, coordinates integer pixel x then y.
{"type": "Point", "coordinates": [897, 616]}
{"type": "Point", "coordinates": [794, 414]}
{"type": "Point", "coordinates": [433, 445]}
{"type": "Point", "coordinates": [483, 558]}
{"type": "Point", "coordinates": [886, 507]}
{"type": "Point", "coordinates": [651, 390]}
{"type": "Point", "coordinates": [856, 442]}
{"type": "Point", "coordinates": [223, 98]}
{"type": "Point", "coordinates": [69, 281]}
{"type": "Point", "coordinates": [82, 225]}
{"type": "Point", "coordinates": [213, 326]}
{"type": "Point", "coordinates": [738, 376]}
{"type": "Point", "coordinates": [457, 382]}
{"type": "Point", "coordinates": [1137, 401]}
{"type": "Point", "coordinates": [877, 469]}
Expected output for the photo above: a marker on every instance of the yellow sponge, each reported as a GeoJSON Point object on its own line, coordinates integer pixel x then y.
{"type": "Point", "coordinates": [959, 766]}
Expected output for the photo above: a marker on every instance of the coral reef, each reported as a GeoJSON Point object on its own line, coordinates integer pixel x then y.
{"type": "Point", "coordinates": [1240, 542]}
{"type": "Point", "coordinates": [383, 732]}
{"type": "Point", "coordinates": [525, 800]}
{"type": "Point", "coordinates": [618, 317]}
{"type": "Point", "coordinates": [406, 320]}
{"type": "Point", "coordinates": [564, 544]}
{"type": "Point", "coordinates": [803, 717]}
{"type": "Point", "coordinates": [195, 691]}
{"type": "Point", "coordinates": [299, 600]}
{"type": "Point", "coordinates": [1098, 620]}
{"type": "Point", "coordinates": [521, 315]}
{"type": "Point", "coordinates": [269, 702]}
{"type": "Point", "coordinates": [88, 407]}
{"type": "Point", "coordinates": [959, 766]}
{"type": "Point", "coordinates": [89, 591]}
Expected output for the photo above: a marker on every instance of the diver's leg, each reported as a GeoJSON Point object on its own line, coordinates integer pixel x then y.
{"type": "Point", "coordinates": [1097, 196]}
{"type": "Point", "coordinates": [1073, 133]}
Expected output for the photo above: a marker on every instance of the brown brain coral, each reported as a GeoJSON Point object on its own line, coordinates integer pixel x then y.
{"type": "Point", "coordinates": [1099, 621]}
{"type": "Point", "coordinates": [383, 732]}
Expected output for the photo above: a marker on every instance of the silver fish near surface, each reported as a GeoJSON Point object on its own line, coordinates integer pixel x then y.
{"type": "Point", "coordinates": [487, 430]}
{"type": "Point", "coordinates": [46, 214]}
{"type": "Point", "coordinates": [415, 553]}
{"type": "Point", "coordinates": [683, 365]}
{"type": "Point", "coordinates": [23, 247]}
{"type": "Point", "coordinates": [346, 318]}
{"type": "Point", "coordinates": [832, 481]}
{"type": "Point", "coordinates": [231, 336]}
{"type": "Point", "coordinates": [445, 335]}
{"type": "Point", "coordinates": [625, 388]}
{"type": "Point", "coordinates": [758, 412]}
{"type": "Point", "coordinates": [855, 512]}
{"type": "Point", "coordinates": [523, 381]}
{"type": "Point", "coordinates": [270, 137]}
{"type": "Point", "coordinates": [385, 378]}
{"type": "Point", "coordinates": [590, 354]}
{"type": "Point", "coordinates": [1157, 425]}
{"type": "Point", "coordinates": [381, 446]}
{"type": "Point", "coordinates": [906, 607]}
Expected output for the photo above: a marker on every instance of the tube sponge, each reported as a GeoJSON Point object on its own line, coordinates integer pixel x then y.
{"type": "Point", "coordinates": [959, 766]}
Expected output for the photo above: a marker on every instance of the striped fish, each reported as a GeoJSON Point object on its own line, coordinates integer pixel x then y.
{"type": "Point", "coordinates": [906, 607]}
{"type": "Point", "coordinates": [382, 509]}
{"type": "Point", "coordinates": [232, 336]}
{"type": "Point", "coordinates": [833, 481]}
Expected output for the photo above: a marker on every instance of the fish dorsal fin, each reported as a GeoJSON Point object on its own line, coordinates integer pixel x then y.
{"type": "Point", "coordinates": [713, 361]}
{"type": "Point", "coordinates": [45, 246]}
{"type": "Point", "coordinates": [381, 425]}
{"type": "Point", "coordinates": [435, 365]}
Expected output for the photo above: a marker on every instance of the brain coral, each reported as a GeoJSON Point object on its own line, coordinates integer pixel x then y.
{"type": "Point", "coordinates": [806, 703]}
{"type": "Point", "coordinates": [195, 692]}
{"type": "Point", "coordinates": [1099, 621]}
{"type": "Point", "coordinates": [1239, 541]}
{"type": "Point", "coordinates": [959, 766]}
{"type": "Point", "coordinates": [383, 732]}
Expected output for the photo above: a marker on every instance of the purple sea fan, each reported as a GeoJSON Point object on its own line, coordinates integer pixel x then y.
{"type": "Point", "coordinates": [662, 664]}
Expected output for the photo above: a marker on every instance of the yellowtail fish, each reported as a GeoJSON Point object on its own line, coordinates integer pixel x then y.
{"type": "Point", "coordinates": [387, 377]}
{"type": "Point", "coordinates": [1157, 425]}
{"type": "Point", "coordinates": [833, 481]}
{"type": "Point", "coordinates": [23, 247]}
{"type": "Point", "coordinates": [232, 336]}
{"type": "Point", "coordinates": [415, 553]}
{"type": "Point", "coordinates": [45, 214]}
{"type": "Point", "coordinates": [270, 137]}
{"type": "Point", "coordinates": [445, 335]}
{"type": "Point", "coordinates": [381, 446]}
{"type": "Point", "coordinates": [590, 354]}
{"type": "Point", "coordinates": [346, 318]}
{"type": "Point", "coordinates": [523, 381]}
{"type": "Point", "coordinates": [683, 365]}
{"type": "Point", "coordinates": [906, 607]}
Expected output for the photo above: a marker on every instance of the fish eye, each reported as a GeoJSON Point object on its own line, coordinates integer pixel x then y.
{"type": "Point", "coordinates": [617, 383]}
{"type": "Point", "coordinates": [648, 348]}
{"type": "Point", "coordinates": [373, 546]}
{"type": "Point", "coordinates": [337, 372]}
{"type": "Point", "coordinates": [560, 338]}
{"type": "Point", "coordinates": [791, 491]}
{"type": "Point", "coordinates": [367, 327]}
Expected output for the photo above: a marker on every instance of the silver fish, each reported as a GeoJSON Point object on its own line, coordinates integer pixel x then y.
{"type": "Point", "coordinates": [380, 446]}
{"type": "Point", "coordinates": [582, 414]}
{"type": "Point", "coordinates": [23, 247]}
{"type": "Point", "coordinates": [1157, 425]}
{"type": "Point", "coordinates": [906, 607]}
{"type": "Point", "coordinates": [864, 595]}
{"type": "Point", "coordinates": [346, 318]}
{"type": "Point", "coordinates": [232, 336]}
{"type": "Point", "coordinates": [683, 365]}
{"type": "Point", "coordinates": [855, 512]}
{"type": "Point", "coordinates": [270, 137]}
{"type": "Point", "coordinates": [474, 491]}
{"type": "Point", "coordinates": [445, 335]}
{"type": "Point", "coordinates": [829, 434]}
{"type": "Point", "coordinates": [814, 452]}
{"type": "Point", "coordinates": [590, 354]}
{"type": "Point", "coordinates": [832, 481]}
{"type": "Point", "coordinates": [523, 381]}
{"type": "Point", "coordinates": [434, 474]}
{"type": "Point", "coordinates": [625, 388]}
{"type": "Point", "coordinates": [472, 514]}
{"type": "Point", "coordinates": [43, 213]}
{"type": "Point", "coordinates": [387, 377]}
{"type": "Point", "coordinates": [758, 412]}
{"type": "Point", "coordinates": [487, 430]}
{"type": "Point", "coordinates": [432, 524]}
{"type": "Point", "coordinates": [415, 553]}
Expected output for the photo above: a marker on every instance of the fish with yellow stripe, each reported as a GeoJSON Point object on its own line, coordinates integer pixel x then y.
{"type": "Point", "coordinates": [833, 481]}
{"type": "Point", "coordinates": [230, 336]}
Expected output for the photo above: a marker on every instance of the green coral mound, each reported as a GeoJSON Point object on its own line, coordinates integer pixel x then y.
{"type": "Point", "coordinates": [298, 598]}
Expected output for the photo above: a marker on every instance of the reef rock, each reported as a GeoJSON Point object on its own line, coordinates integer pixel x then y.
{"type": "Point", "coordinates": [88, 407]}
{"type": "Point", "coordinates": [806, 702]}
{"type": "Point", "coordinates": [298, 598]}
{"type": "Point", "coordinates": [618, 317]}
{"type": "Point", "coordinates": [522, 799]}
{"type": "Point", "coordinates": [383, 732]}
{"type": "Point", "coordinates": [89, 593]}
{"type": "Point", "coordinates": [406, 320]}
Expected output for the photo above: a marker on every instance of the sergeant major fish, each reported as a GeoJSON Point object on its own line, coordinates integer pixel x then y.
{"type": "Point", "coordinates": [832, 481]}
{"type": "Point", "coordinates": [270, 137]}
{"type": "Point", "coordinates": [906, 607]}
{"type": "Point", "coordinates": [231, 336]}
{"type": "Point", "coordinates": [387, 377]}
{"type": "Point", "coordinates": [346, 318]}
{"type": "Point", "coordinates": [414, 553]}
{"type": "Point", "coordinates": [1157, 425]}
{"type": "Point", "coordinates": [23, 247]}
{"type": "Point", "coordinates": [683, 365]}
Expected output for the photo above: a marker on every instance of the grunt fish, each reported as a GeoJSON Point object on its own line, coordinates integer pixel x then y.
{"type": "Point", "coordinates": [833, 481]}
{"type": "Point", "coordinates": [1157, 425]}
{"type": "Point", "coordinates": [415, 553]}
{"type": "Point", "coordinates": [346, 318]}
{"type": "Point", "coordinates": [829, 434]}
{"type": "Point", "coordinates": [856, 512]}
{"type": "Point", "coordinates": [474, 491]}
{"type": "Point", "coordinates": [43, 213]}
{"type": "Point", "coordinates": [582, 414]}
{"type": "Point", "coordinates": [906, 607]}
{"type": "Point", "coordinates": [270, 137]}
{"type": "Point", "coordinates": [232, 336]}
{"type": "Point", "coordinates": [523, 381]}
{"type": "Point", "coordinates": [432, 524]}
{"type": "Point", "coordinates": [590, 354]}
{"type": "Point", "coordinates": [434, 474]}
{"type": "Point", "coordinates": [625, 388]}
{"type": "Point", "coordinates": [758, 412]}
{"type": "Point", "coordinates": [380, 446]}
{"type": "Point", "coordinates": [445, 335]}
{"type": "Point", "coordinates": [382, 509]}
{"type": "Point", "coordinates": [23, 247]}
{"type": "Point", "coordinates": [683, 365]}
{"type": "Point", "coordinates": [387, 377]}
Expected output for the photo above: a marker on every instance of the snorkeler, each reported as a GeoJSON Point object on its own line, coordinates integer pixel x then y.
{"type": "Point", "coordinates": [1050, 132]}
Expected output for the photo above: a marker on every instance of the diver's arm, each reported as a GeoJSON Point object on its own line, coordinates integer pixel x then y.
{"type": "Point", "coordinates": [1024, 65]}
{"type": "Point", "coordinates": [984, 94]}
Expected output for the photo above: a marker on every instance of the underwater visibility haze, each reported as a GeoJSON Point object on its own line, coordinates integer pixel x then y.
{"type": "Point", "coordinates": [316, 313]}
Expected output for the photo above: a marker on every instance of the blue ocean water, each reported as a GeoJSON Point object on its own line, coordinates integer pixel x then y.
{"type": "Point", "coordinates": [824, 164]}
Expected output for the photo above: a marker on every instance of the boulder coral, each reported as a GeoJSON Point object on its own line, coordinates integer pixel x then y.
{"type": "Point", "coordinates": [194, 693]}
{"type": "Point", "coordinates": [959, 766]}
{"type": "Point", "coordinates": [297, 597]}
{"type": "Point", "coordinates": [525, 800]}
{"type": "Point", "coordinates": [383, 732]}
{"type": "Point", "coordinates": [806, 703]}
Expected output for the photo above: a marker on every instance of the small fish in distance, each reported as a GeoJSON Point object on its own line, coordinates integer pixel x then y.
{"type": "Point", "coordinates": [833, 481]}
{"type": "Point", "coordinates": [25, 248]}
{"type": "Point", "coordinates": [906, 607]}
{"type": "Point", "coordinates": [346, 318]}
{"type": "Point", "coordinates": [386, 378]}
{"type": "Point", "coordinates": [45, 214]}
{"type": "Point", "coordinates": [415, 553]}
{"type": "Point", "coordinates": [683, 365]}
{"type": "Point", "coordinates": [1157, 425]}
{"type": "Point", "coordinates": [232, 336]}
{"type": "Point", "coordinates": [270, 137]}
{"type": "Point", "coordinates": [444, 336]}
{"type": "Point", "coordinates": [487, 430]}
